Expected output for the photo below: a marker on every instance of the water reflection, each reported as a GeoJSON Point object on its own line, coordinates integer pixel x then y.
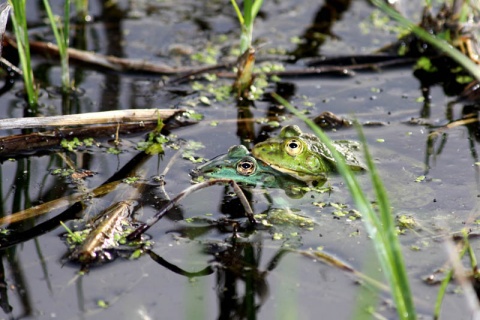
{"type": "Point", "coordinates": [19, 283]}
{"type": "Point", "coordinates": [241, 281]}
{"type": "Point", "coordinates": [112, 17]}
{"type": "Point", "coordinates": [4, 301]}
{"type": "Point", "coordinates": [242, 285]}
{"type": "Point", "coordinates": [320, 28]}
{"type": "Point", "coordinates": [438, 135]}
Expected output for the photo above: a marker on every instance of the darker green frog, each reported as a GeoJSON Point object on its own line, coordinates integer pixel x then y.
{"type": "Point", "coordinates": [240, 166]}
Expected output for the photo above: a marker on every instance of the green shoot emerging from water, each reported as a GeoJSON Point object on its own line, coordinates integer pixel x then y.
{"type": "Point", "coordinates": [82, 9]}
{"type": "Point", "coordinates": [19, 19]}
{"type": "Point", "coordinates": [250, 11]}
{"type": "Point", "coordinates": [380, 226]}
{"type": "Point", "coordinates": [246, 61]}
{"type": "Point", "coordinates": [62, 38]}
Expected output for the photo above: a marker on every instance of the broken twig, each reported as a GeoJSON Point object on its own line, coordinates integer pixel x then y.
{"type": "Point", "coordinates": [105, 117]}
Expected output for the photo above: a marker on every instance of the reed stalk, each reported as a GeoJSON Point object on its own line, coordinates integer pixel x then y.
{"type": "Point", "coordinates": [19, 19]}
{"type": "Point", "coordinates": [61, 34]}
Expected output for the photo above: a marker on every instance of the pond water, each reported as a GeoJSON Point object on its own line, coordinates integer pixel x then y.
{"type": "Point", "coordinates": [196, 269]}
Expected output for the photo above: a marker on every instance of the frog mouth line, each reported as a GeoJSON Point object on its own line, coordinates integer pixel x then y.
{"type": "Point", "coordinates": [303, 176]}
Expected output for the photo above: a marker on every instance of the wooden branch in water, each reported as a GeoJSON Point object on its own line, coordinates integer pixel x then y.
{"type": "Point", "coordinates": [131, 121]}
{"type": "Point", "coordinates": [47, 207]}
{"type": "Point", "coordinates": [32, 142]}
{"type": "Point", "coordinates": [49, 49]}
{"type": "Point", "coordinates": [342, 70]}
{"type": "Point", "coordinates": [337, 65]}
{"type": "Point", "coordinates": [105, 117]}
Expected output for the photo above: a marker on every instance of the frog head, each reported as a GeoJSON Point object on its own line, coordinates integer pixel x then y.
{"type": "Point", "coordinates": [240, 166]}
{"type": "Point", "coordinates": [300, 155]}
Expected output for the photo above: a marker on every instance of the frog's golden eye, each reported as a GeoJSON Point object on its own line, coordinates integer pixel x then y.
{"type": "Point", "coordinates": [293, 147]}
{"type": "Point", "coordinates": [246, 167]}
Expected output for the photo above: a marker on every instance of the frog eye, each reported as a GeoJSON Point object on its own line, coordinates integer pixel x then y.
{"type": "Point", "coordinates": [293, 147]}
{"type": "Point", "coordinates": [246, 167]}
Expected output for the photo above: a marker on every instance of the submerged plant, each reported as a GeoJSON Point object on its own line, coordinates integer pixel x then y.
{"type": "Point", "coordinates": [379, 222]}
{"type": "Point", "coordinates": [19, 19]}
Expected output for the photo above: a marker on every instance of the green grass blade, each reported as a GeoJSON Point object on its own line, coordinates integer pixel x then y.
{"type": "Point", "coordinates": [81, 7]}
{"type": "Point", "coordinates": [393, 249]}
{"type": "Point", "coordinates": [239, 13]}
{"type": "Point", "coordinates": [62, 38]}
{"type": "Point", "coordinates": [441, 294]}
{"type": "Point", "coordinates": [256, 8]}
{"type": "Point", "coordinates": [66, 40]}
{"type": "Point", "coordinates": [247, 28]}
{"type": "Point", "coordinates": [247, 12]}
{"type": "Point", "coordinates": [55, 28]}
{"type": "Point", "coordinates": [250, 11]}
{"type": "Point", "coordinates": [66, 23]}
{"type": "Point", "coordinates": [251, 8]}
{"type": "Point", "coordinates": [381, 229]}
{"type": "Point", "coordinates": [19, 19]}
{"type": "Point", "coordinates": [443, 286]}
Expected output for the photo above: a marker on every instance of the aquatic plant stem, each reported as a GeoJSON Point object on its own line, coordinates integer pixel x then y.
{"type": "Point", "coordinates": [64, 58]}
{"type": "Point", "coordinates": [381, 227]}
{"type": "Point", "coordinates": [62, 37]}
{"type": "Point", "coordinates": [82, 9]}
{"type": "Point", "coordinates": [250, 11]}
{"type": "Point", "coordinates": [19, 19]}
{"type": "Point", "coordinates": [443, 286]}
{"type": "Point", "coordinates": [469, 294]}
{"type": "Point", "coordinates": [246, 60]}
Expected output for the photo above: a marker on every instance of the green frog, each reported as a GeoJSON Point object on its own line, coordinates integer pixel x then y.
{"type": "Point", "coordinates": [239, 165]}
{"type": "Point", "coordinates": [303, 156]}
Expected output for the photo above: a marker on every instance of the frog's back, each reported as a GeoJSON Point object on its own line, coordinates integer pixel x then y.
{"type": "Point", "coordinates": [350, 150]}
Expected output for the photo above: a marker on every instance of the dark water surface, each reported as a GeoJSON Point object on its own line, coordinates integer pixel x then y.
{"type": "Point", "coordinates": [251, 277]}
